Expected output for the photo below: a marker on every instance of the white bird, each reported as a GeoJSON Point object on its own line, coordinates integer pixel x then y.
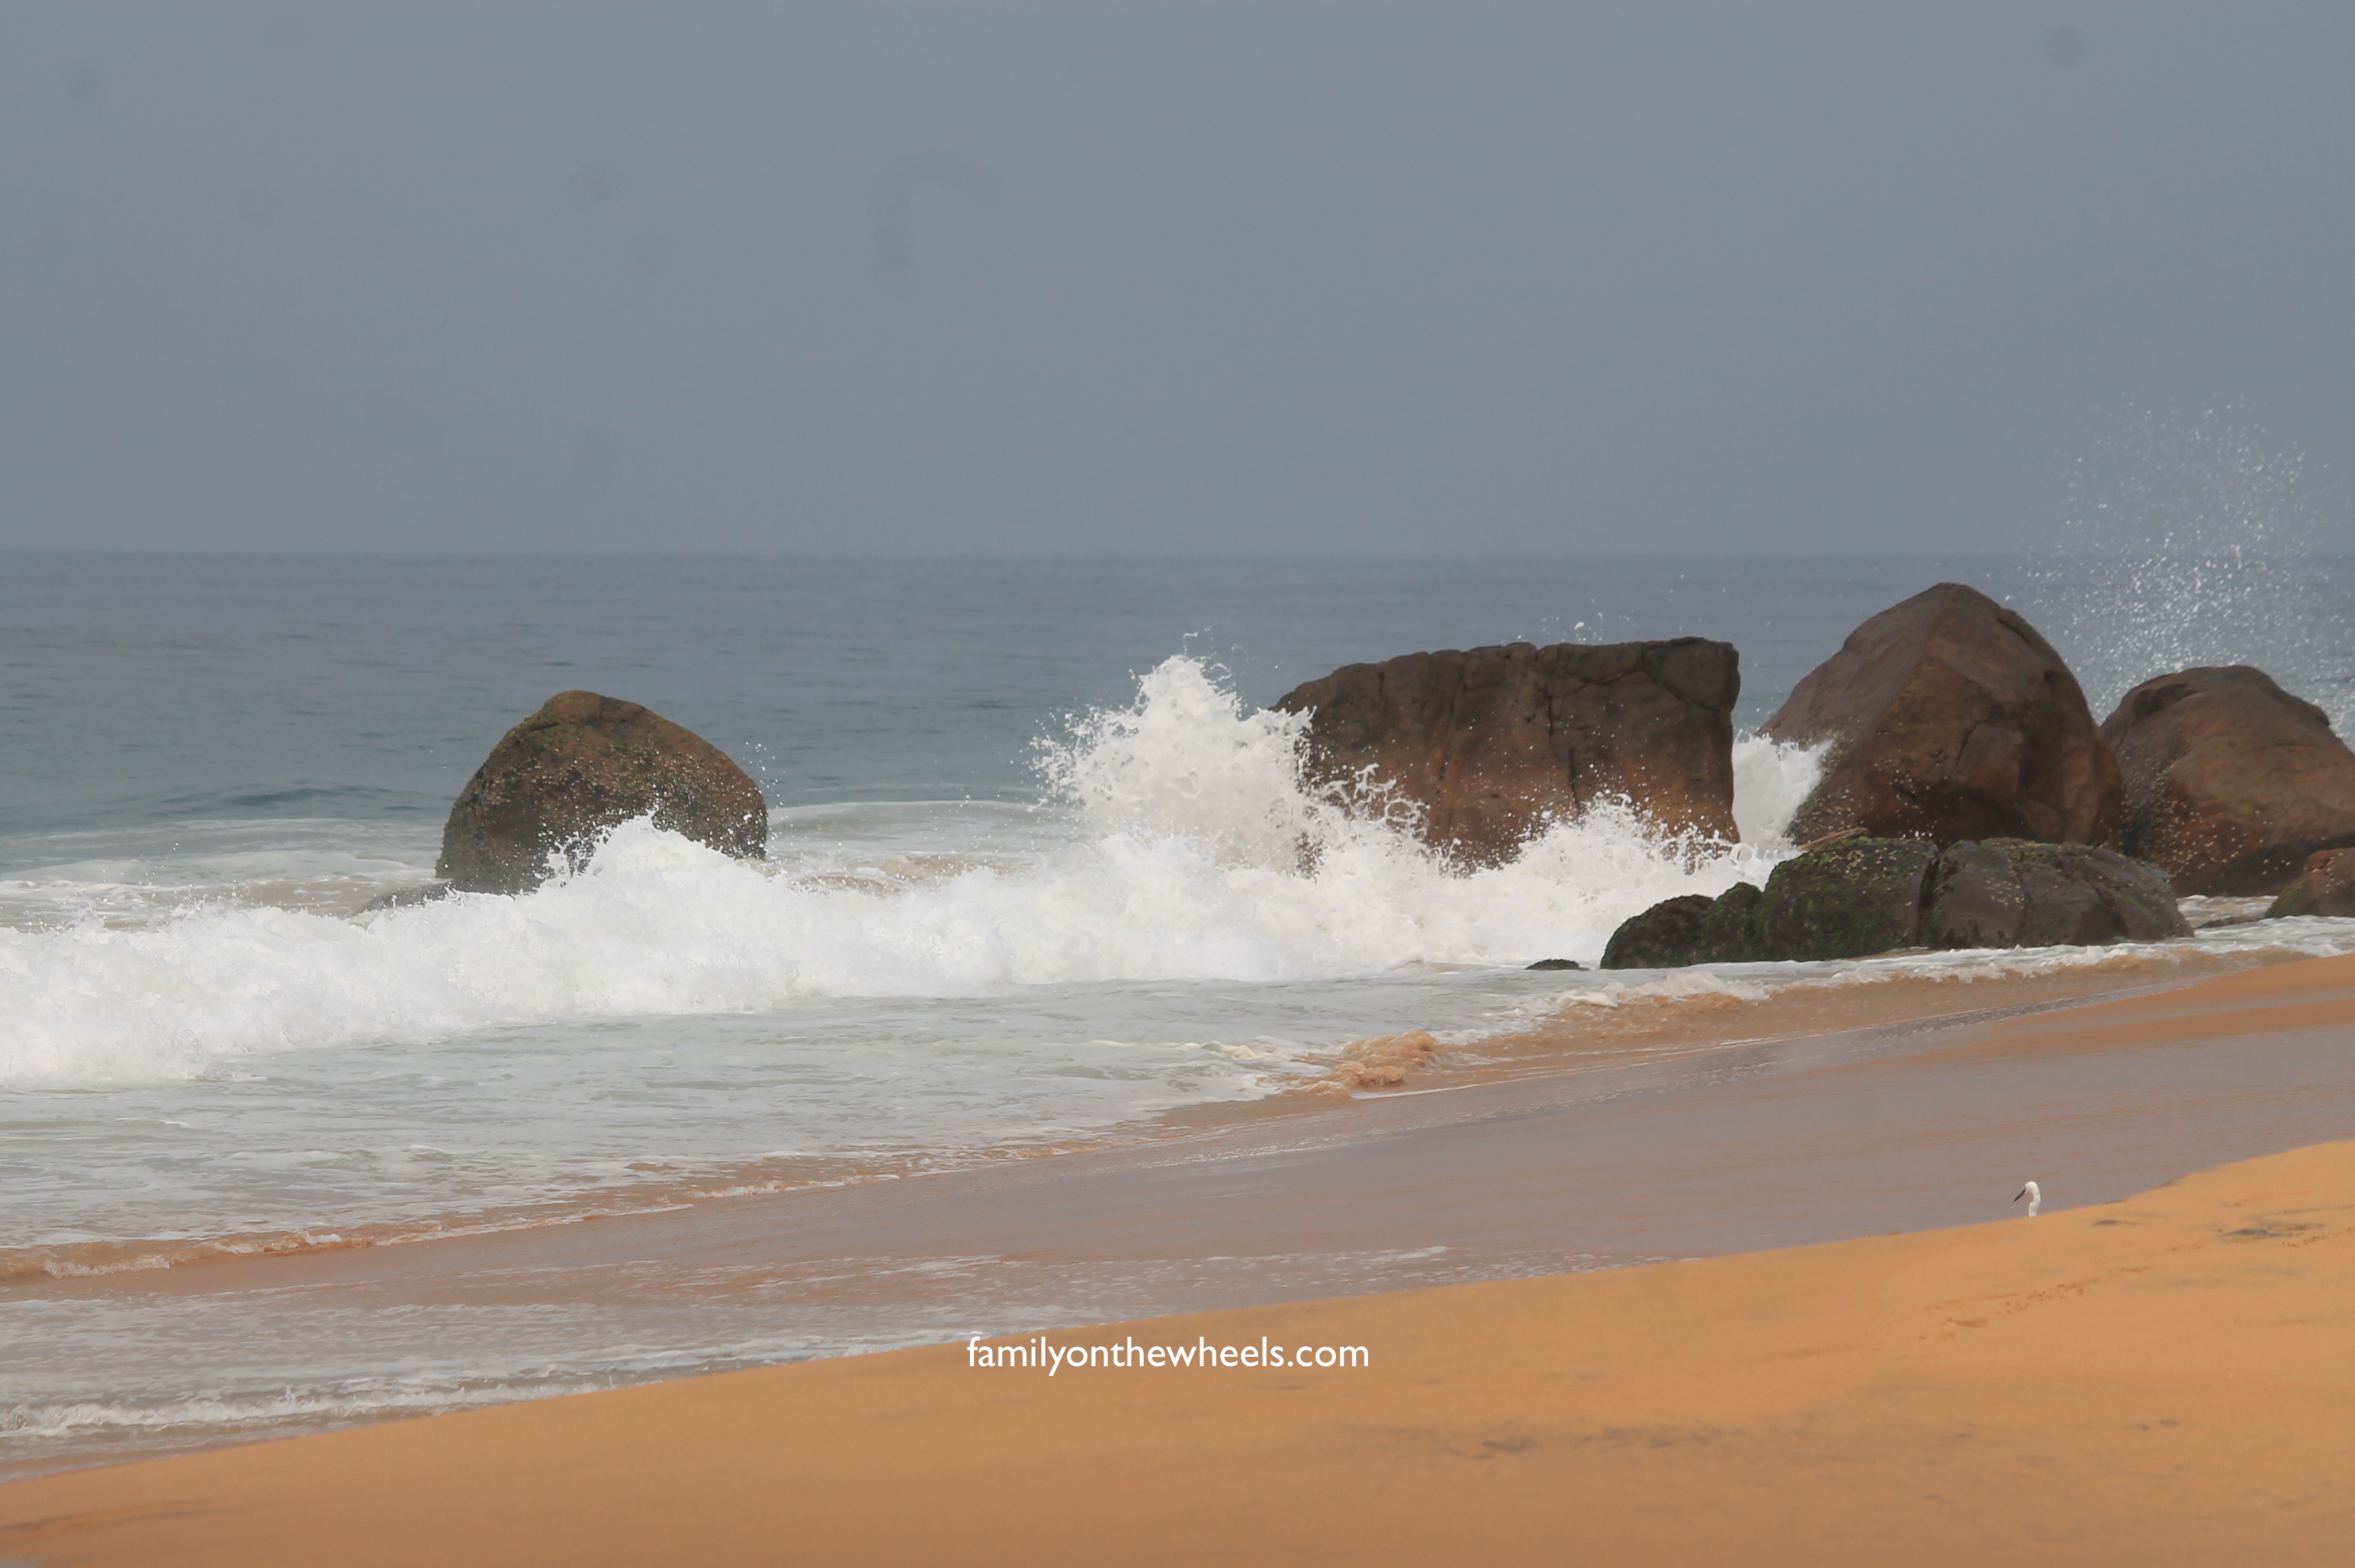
{"type": "Point", "coordinates": [2035, 1196]}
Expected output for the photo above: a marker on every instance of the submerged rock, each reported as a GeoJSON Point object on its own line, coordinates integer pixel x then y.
{"type": "Point", "coordinates": [1879, 895]}
{"type": "Point", "coordinates": [1495, 744]}
{"type": "Point", "coordinates": [579, 767]}
{"type": "Point", "coordinates": [2325, 886]}
{"type": "Point", "coordinates": [405, 898]}
{"type": "Point", "coordinates": [2231, 783]}
{"type": "Point", "coordinates": [1949, 718]}
{"type": "Point", "coordinates": [1557, 963]}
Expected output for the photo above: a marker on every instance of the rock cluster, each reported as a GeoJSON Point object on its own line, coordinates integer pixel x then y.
{"type": "Point", "coordinates": [1991, 806]}
{"type": "Point", "coordinates": [2231, 783]}
{"type": "Point", "coordinates": [1494, 743]}
{"type": "Point", "coordinates": [1865, 896]}
{"type": "Point", "coordinates": [1949, 718]}
{"type": "Point", "coordinates": [579, 766]}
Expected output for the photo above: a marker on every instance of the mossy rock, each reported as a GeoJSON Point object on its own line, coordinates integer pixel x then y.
{"type": "Point", "coordinates": [1729, 928]}
{"type": "Point", "coordinates": [1875, 895]}
{"type": "Point", "coordinates": [2008, 893]}
{"type": "Point", "coordinates": [2296, 899]}
{"type": "Point", "coordinates": [1845, 901]}
{"type": "Point", "coordinates": [2325, 886]}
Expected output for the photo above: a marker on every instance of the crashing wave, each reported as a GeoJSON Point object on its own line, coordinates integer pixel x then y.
{"type": "Point", "coordinates": [1196, 848]}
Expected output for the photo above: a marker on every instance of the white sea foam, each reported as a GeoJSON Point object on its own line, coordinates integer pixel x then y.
{"type": "Point", "coordinates": [1197, 851]}
{"type": "Point", "coordinates": [231, 1413]}
{"type": "Point", "coordinates": [1771, 781]}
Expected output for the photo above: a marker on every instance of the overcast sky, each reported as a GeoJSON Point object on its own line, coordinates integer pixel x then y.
{"type": "Point", "coordinates": [1328, 277]}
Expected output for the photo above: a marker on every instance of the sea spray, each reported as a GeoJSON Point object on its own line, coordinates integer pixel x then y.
{"type": "Point", "coordinates": [1184, 861]}
{"type": "Point", "coordinates": [2189, 541]}
{"type": "Point", "coordinates": [1187, 759]}
{"type": "Point", "coordinates": [1771, 781]}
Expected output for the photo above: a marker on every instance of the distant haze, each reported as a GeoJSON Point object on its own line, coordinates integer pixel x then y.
{"type": "Point", "coordinates": [1304, 278]}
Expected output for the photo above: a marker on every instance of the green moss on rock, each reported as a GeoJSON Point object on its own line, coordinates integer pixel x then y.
{"type": "Point", "coordinates": [2325, 886]}
{"type": "Point", "coordinates": [1845, 901]}
{"type": "Point", "coordinates": [2296, 899]}
{"type": "Point", "coordinates": [1874, 895]}
{"type": "Point", "coordinates": [2008, 893]}
{"type": "Point", "coordinates": [1729, 928]}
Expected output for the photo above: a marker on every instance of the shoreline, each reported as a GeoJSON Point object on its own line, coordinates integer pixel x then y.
{"type": "Point", "coordinates": [1768, 1144]}
{"type": "Point", "coordinates": [2165, 1378]}
{"type": "Point", "coordinates": [1583, 1031]}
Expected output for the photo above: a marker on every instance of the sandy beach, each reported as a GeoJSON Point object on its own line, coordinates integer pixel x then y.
{"type": "Point", "coordinates": [2165, 1380]}
{"type": "Point", "coordinates": [2153, 1376]}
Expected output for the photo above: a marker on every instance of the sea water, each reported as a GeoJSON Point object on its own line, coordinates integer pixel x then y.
{"type": "Point", "coordinates": [1035, 879]}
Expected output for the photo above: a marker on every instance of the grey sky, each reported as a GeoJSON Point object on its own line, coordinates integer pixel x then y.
{"type": "Point", "coordinates": [1315, 277]}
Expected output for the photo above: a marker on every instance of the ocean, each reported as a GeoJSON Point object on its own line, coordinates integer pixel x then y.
{"type": "Point", "coordinates": [1034, 884]}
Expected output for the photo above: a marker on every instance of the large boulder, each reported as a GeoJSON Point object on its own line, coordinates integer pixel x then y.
{"type": "Point", "coordinates": [1877, 895]}
{"type": "Point", "coordinates": [583, 763]}
{"type": "Point", "coordinates": [1495, 744]}
{"type": "Point", "coordinates": [2230, 781]}
{"type": "Point", "coordinates": [1948, 718]}
{"type": "Point", "coordinates": [2327, 886]}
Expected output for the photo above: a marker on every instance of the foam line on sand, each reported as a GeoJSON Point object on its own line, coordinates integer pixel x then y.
{"type": "Point", "coordinates": [2169, 1379]}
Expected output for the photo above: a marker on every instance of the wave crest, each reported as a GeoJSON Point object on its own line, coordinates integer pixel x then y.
{"type": "Point", "coordinates": [1196, 848]}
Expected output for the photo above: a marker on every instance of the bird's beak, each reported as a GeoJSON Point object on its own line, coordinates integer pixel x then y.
{"type": "Point", "coordinates": [2020, 1194]}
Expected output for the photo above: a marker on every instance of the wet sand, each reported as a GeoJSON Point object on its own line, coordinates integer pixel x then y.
{"type": "Point", "coordinates": [2166, 1380]}
{"type": "Point", "coordinates": [1778, 1143]}
{"type": "Point", "coordinates": [1900, 1127]}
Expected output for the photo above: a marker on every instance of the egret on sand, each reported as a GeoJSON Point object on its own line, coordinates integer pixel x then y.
{"type": "Point", "coordinates": [2035, 1196]}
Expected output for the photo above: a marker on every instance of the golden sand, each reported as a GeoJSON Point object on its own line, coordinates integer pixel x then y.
{"type": "Point", "coordinates": [2168, 1380]}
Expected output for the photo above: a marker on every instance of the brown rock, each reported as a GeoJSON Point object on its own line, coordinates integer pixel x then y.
{"type": "Point", "coordinates": [2230, 781]}
{"type": "Point", "coordinates": [575, 769]}
{"type": "Point", "coordinates": [2327, 886]}
{"type": "Point", "coordinates": [1950, 718]}
{"type": "Point", "coordinates": [1495, 744]}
